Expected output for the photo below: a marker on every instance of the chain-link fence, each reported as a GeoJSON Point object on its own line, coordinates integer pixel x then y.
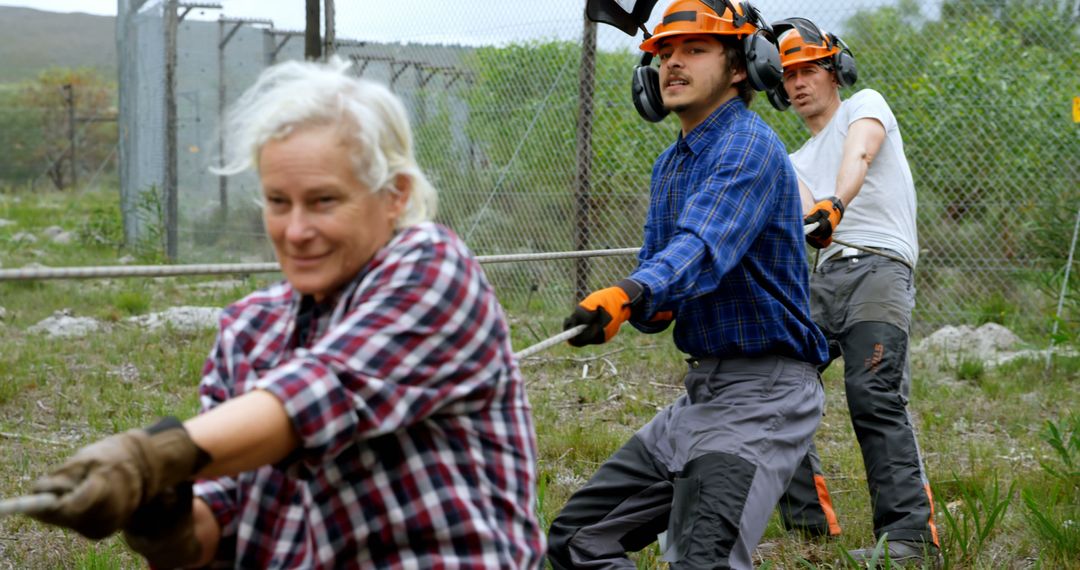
{"type": "Point", "coordinates": [58, 131]}
{"type": "Point", "coordinates": [524, 122]}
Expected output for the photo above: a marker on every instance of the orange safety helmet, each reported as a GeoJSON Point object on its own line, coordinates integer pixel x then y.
{"type": "Point", "coordinates": [802, 41]}
{"type": "Point", "coordinates": [700, 17]}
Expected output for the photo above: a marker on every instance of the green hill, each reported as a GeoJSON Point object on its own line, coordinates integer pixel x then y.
{"type": "Point", "coordinates": [34, 40]}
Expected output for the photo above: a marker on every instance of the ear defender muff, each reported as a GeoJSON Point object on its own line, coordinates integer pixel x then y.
{"type": "Point", "coordinates": [763, 69]}
{"type": "Point", "coordinates": [844, 63]}
{"type": "Point", "coordinates": [645, 90]}
{"type": "Point", "coordinates": [778, 98]}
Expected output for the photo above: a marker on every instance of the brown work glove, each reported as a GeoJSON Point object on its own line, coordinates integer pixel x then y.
{"type": "Point", "coordinates": [163, 530]}
{"type": "Point", "coordinates": [603, 312]}
{"type": "Point", "coordinates": [827, 213]}
{"type": "Point", "coordinates": [101, 486]}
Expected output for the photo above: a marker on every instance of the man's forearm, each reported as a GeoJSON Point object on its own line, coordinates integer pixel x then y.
{"type": "Point", "coordinates": [851, 176]}
{"type": "Point", "coordinates": [806, 197]}
{"type": "Point", "coordinates": [863, 141]}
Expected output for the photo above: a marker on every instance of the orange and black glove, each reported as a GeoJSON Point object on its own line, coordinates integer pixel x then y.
{"type": "Point", "coordinates": [827, 213]}
{"type": "Point", "coordinates": [603, 312]}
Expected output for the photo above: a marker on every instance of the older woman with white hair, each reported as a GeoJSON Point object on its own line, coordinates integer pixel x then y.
{"type": "Point", "coordinates": [367, 411]}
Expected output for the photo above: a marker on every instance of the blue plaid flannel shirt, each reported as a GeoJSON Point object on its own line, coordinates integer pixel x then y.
{"type": "Point", "coordinates": [723, 243]}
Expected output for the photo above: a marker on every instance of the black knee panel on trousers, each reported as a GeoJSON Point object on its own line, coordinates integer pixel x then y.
{"type": "Point", "coordinates": [875, 355]}
{"type": "Point", "coordinates": [710, 495]}
{"type": "Point", "coordinates": [874, 358]}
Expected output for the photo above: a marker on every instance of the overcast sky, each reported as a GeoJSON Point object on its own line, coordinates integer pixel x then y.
{"type": "Point", "coordinates": [462, 21]}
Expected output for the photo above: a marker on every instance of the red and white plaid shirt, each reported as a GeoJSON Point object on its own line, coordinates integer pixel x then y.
{"type": "Point", "coordinates": [417, 443]}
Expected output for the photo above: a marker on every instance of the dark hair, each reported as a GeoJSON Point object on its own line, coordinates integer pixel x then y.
{"type": "Point", "coordinates": [733, 52]}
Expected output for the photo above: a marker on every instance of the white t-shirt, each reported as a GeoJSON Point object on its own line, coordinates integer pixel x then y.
{"type": "Point", "coordinates": [882, 215]}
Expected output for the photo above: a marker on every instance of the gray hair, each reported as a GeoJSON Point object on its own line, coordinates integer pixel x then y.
{"type": "Point", "coordinates": [293, 95]}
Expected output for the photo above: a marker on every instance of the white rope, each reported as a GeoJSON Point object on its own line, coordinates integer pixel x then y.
{"type": "Point", "coordinates": [98, 272]}
{"type": "Point", "coordinates": [120, 271]}
{"type": "Point", "coordinates": [27, 504]}
{"type": "Point", "coordinates": [546, 344]}
{"type": "Point", "coordinates": [91, 272]}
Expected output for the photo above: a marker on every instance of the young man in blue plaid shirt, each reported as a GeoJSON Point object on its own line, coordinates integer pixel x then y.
{"type": "Point", "coordinates": [723, 258]}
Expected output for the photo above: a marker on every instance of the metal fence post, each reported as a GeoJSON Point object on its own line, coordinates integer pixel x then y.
{"type": "Point", "coordinates": [170, 179]}
{"type": "Point", "coordinates": [586, 88]}
{"type": "Point", "coordinates": [69, 100]}
{"type": "Point", "coordinates": [223, 181]}
{"type": "Point", "coordinates": [328, 32]}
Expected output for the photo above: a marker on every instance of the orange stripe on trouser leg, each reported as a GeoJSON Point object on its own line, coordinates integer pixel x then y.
{"type": "Point", "coordinates": [826, 505]}
{"type": "Point", "coordinates": [933, 527]}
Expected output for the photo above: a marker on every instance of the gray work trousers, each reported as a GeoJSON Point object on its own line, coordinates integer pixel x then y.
{"type": "Point", "coordinates": [863, 304]}
{"type": "Point", "coordinates": [708, 469]}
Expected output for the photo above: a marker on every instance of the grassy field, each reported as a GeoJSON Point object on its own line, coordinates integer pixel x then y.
{"type": "Point", "coordinates": [1002, 445]}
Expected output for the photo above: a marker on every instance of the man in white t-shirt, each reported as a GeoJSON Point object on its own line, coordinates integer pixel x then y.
{"type": "Point", "coordinates": [853, 167]}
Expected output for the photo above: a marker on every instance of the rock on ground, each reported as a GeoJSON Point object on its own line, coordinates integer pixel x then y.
{"type": "Point", "coordinates": [63, 324]}
{"type": "Point", "coordinates": [180, 318]}
{"type": "Point", "coordinates": [24, 237]}
{"type": "Point", "coordinates": [983, 343]}
{"type": "Point", "coordinates": [991, 344]}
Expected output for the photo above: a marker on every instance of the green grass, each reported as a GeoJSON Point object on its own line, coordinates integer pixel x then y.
{"type": "Point", "coordinates": [1000, 443]}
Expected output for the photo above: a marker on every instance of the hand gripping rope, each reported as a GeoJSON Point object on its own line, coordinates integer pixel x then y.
{"type": "Point", "coordinates": [30, 504]}
{"type": "Point", "coordinates": [571, 333]}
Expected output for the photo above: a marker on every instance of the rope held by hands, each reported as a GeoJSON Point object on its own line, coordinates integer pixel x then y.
{"type": "Point", "coordinates": [546, 344]}
{"type": "Point", "coordinates": [30, 504]}
{"type": "Point", "coordinates": [571, 333]}
{"type": "Point", "coordinates": [27, 504]}
{"type": "Point", "coordinates": [33, 503]}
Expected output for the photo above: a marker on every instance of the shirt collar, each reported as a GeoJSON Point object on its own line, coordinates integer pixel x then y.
{"type": "Point", "coordinates": [716, 122]}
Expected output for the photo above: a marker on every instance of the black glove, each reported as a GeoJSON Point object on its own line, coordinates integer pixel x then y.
{"type": "Point", "coordinates": [163, 529]}
{"type": "Point", "coordinates": [827, 213]}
